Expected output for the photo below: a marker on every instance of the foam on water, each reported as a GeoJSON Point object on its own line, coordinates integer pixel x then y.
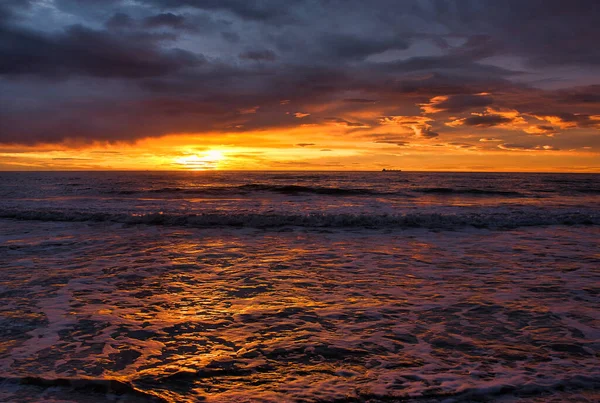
{"type": "Point", "coordinates": [316, 287]}
{"type": "Point", "coordinates": [300, 315]}
{"type": "Point", "coordinates": [452, 220]}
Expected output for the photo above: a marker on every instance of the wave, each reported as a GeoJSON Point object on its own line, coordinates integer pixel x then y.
{"type": "Point", "coordinates": [290, 189]}
{"type": "Point", "coordinates": [588, 190]}
{"type": "Point", "coordinates": [495, 390]}
{"type": "Point", "coordinates": [492, 219]}
{"type": "Point", "coordinates": [152, 388]}
{"type": "Point", "coordinates": [88, 385]}
{"type": "Point", "coordinates": [479, 192]}
{"type": "Point", "coordinates": [256, 187]}
{"type": "Point", "coordinates": [317, 190]}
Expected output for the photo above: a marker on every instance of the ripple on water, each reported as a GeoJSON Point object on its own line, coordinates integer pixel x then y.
{"type": "Point", "coordinates": [247, 315]}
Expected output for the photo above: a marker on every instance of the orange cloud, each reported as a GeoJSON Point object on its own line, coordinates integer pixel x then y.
{"type": "Point", "coordinates": [404, 120]}
{"type": "Point", "coordinates": [521, 147]}
{"type": "Point", "coordinates": [434, 104]}
{"type": "Point", "coordinates": [456, 103]}
{"type": "Point", "coordinates": [418, 124]}
{"type": "Point", "coordinates": [505, 118]}
{"type": "Point", "coordinates": [571, 120]}
{"type": "Point", "coordinates": [248, 111]}
{"type": "Point", "coordinates": [541, 130]}
{"type": "Point", "coordinates": [345, 123]}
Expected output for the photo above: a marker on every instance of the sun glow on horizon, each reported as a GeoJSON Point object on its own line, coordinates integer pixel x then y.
{"type": "Point", "coordinates": [318, 147]}
{"type": "Point", "coordinates": [209, 160]}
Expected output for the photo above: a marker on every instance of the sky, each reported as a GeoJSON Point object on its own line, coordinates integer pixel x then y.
{"type": "Point", "coordinates": [460, 85]}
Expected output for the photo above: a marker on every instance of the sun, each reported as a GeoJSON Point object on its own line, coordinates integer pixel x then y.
{"type": "Point", "coordinates": [208, 160]}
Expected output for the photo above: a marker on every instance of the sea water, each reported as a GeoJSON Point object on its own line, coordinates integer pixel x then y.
{"type": "Point", "coordinates": [299, 286]}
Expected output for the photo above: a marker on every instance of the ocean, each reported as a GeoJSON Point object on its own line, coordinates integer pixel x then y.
{"type": "Point", "coordinates": [299, 287]}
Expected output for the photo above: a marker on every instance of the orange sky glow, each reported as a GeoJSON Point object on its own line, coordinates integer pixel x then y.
{"type": "Point", "coordinates": [416, 85]}
{"type": "Point", "coordinates": [316, 147]}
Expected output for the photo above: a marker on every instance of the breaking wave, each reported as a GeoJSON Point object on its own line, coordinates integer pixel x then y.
{"type": "Point", "coordinates": [86, 385]}
{"type": "Point", "coordinates": [315, 190]}
{"type": "Point", "coordinates": [151, 389]}
{"type": "Point", "coordinates": [479, 192]}
{"type": "Point", "coordinates": [490, 219]}
{"type": "Point", "coordinates": [256, 187]}
{"type": "Point", "coordinates": [287, 189]}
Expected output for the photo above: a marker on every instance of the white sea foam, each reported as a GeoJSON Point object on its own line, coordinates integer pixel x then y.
{"type": "Point", "coordinates": [417, 287]}
{"type": "Point", "coordinates": [498, 218]}
{"type": "Point", "coordinates": [251, 315]}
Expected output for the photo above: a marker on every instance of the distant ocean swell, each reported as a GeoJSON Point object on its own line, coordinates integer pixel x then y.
{"type": "Point", "coordinates": [493, 219]}
{"type": "Point", "coordinates": [245, 189]}
{"type": "Point", "coordinates": [317, 190]}
{"type": "Point", "coordinates": [482, 192]}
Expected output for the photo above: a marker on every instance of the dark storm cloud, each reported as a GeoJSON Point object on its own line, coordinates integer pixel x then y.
{"type": "Point", "coordinates": [188, 66]}
{"type": "Point", "coordinates": [82, 51]}
{"type": "Point", "coordinates": [8, 8]}
{"type": "Point", "coordinates": [448, 65]}
{"type": "Point", "coordinates": [546, 128]}
{"type": "Point", "coordinates": [477, 47]}
{"type": "Point", "coordinates": [230, 36]}
{"type": "Point", "coordinates": [486, 120]}
{"type": "Point", "coordinates": [360, 101]}
{"type": "Point", "coordinates": [555, 31]}
{"type": "Point", "coordinates": [259, 55]}
{"type": "Point", "coordinates": [112, 121]}
{"type": "Point", "coordinates": [254, 10]}
{"type": "Point", "coordinates": [457, 103]}
{"type": "Point", "coordinates": [120, 20]}
{"type": "Point", "coordinates": [190, 23]}
{"type": "Point", "coordinates": [543, 130]}
{"type": "Point", "coordinates": [434, 84]}
{"type": "Point", "coordinates": [425, 131]}
{"type": "Point", "coordinates": [570, 120]}
{"type": "Point", "coordinates": [343, 122]}
{"type": "Point", "coordinates": [355, 47]}
{"type": "Point", "coordinates": [165, 20]}
{"type": "Point", "coordinates": [588, 95]}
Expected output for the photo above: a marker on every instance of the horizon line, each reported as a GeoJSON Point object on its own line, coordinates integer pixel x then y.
{"type": "Point", "coordinates": [388, 170]}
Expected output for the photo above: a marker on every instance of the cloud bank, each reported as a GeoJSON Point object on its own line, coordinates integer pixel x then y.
{"type": "Point", "coordinates": [425, 69]}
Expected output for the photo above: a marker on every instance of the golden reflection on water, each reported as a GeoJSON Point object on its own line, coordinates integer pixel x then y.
{"type": "Point", "coordinates": [247, 315]}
